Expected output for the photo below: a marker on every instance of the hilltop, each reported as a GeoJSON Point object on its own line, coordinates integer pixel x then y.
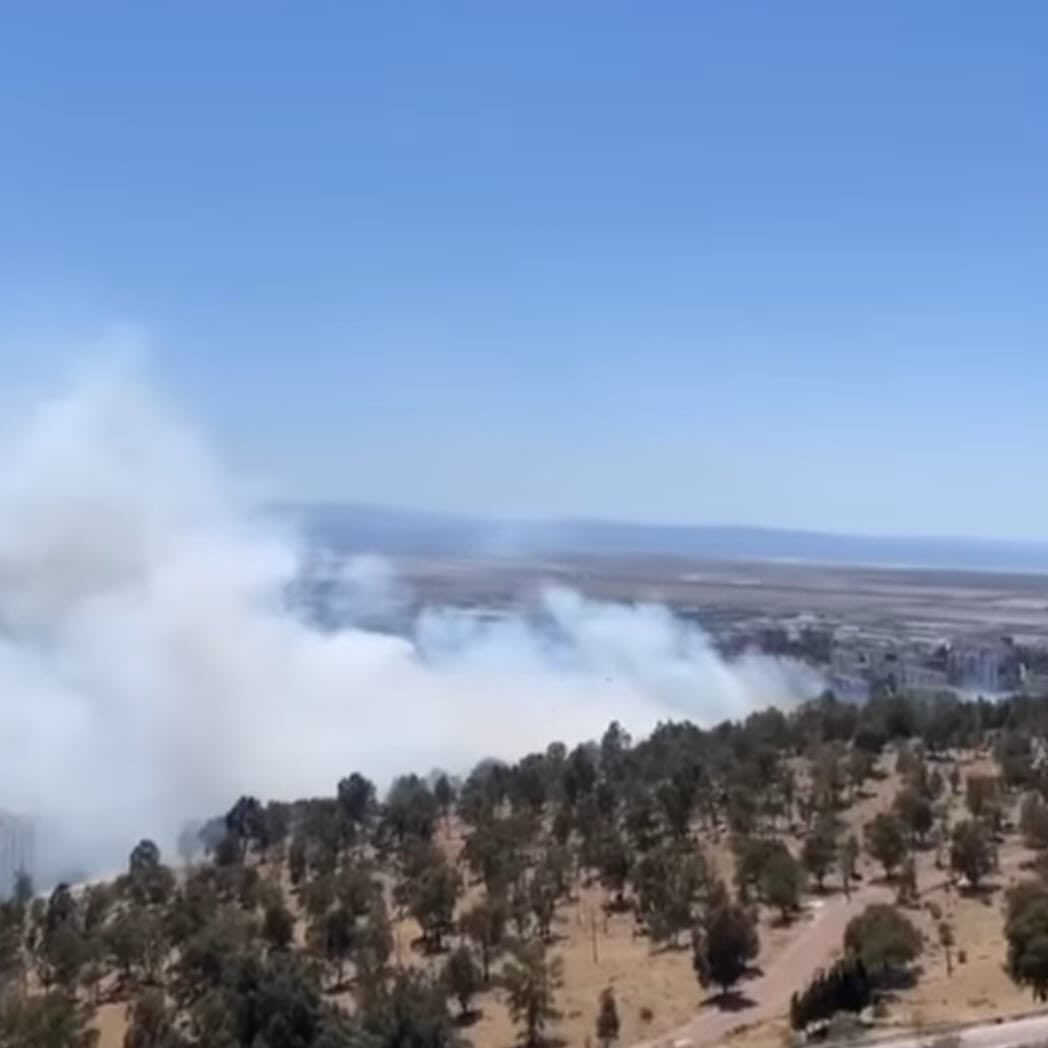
{"type": "Point", "coordinates": [689, 886]}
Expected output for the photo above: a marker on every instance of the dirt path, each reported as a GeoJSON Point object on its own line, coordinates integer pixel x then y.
{"type": "Point", "coordinates": [814, 944]}
{"type": "Point", "coordinates": [768, 996]}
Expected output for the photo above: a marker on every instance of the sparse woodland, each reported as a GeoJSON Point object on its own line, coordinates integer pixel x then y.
{"type": "Point", "coordinates": [359, 921]}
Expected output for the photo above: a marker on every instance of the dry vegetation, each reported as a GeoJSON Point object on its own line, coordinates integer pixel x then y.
{"type": "Point", "coordinates": [574, 829]}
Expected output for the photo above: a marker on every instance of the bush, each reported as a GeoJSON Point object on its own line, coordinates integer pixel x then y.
{"type": "Point", "coordinates": [647, 1015]}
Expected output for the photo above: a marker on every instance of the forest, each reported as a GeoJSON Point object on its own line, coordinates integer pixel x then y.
{"type": "Point", "coordinates": [360, 920]}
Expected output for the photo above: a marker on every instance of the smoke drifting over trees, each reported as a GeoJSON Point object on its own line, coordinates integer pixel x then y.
{"type": "Point", "coordinates": [150, 667]}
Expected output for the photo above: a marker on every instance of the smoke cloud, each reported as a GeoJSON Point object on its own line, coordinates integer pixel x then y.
{"type": "Point", "coordinates": [150, 667]}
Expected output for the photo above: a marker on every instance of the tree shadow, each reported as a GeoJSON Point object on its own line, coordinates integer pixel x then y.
{"type": "Point", "coordinates": [892, 981]}
{"type": "Point", "coordinates": [983, 892]}
{"type": "Point", "coordinates": [728, 1001]}
{"type": "Point", "coordinates": [883, 880]}
{"type": "Point", "coordinates": [464, 1020]}
{"type": "Point", "coordinates": [825, 891]}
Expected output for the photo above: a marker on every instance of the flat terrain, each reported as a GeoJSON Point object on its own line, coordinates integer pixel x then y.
{"type": "Point", "coordinates": [899, 601]}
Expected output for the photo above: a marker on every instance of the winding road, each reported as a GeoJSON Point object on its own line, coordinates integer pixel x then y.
{"type": "Point", "coordinates": [812, 948]}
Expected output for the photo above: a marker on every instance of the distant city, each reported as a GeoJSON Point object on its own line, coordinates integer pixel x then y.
{"type": "Point", "coordinates": [943, 646]}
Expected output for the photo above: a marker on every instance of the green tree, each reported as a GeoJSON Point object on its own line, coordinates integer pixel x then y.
{"type": "Point", "coordinates": [246, 825]}
{"type": "Point", "coordinates": [668, 882]}
{"type": "Point", "coordinates": [724, 943]}
{"type": "Point", "coordinates": [462, 978]}
{"type": "Point", "coordinates": [845, 987]}
{"type": "Point", "coordinates": [444, 793]}
{"type": "Point", "coordinates": [542, 893]}
{"type": "Point", "coordinates": [145, 857]}
{"type": "Point", "coordinates": [819, 851]}
{"type": "Point", "coordinates": [859, 767]}
{"type": "Point", "coordinates": [297, 861]}
{"type": "Point", "coordinates": [48, 1020]}
{"type": "Point", "coordinates": [278, 925]}
{"type": "Point", "coordinates": [98, 901]}
{"type": "Point", "coordinates": [411, 809]}
{"type": "Point", "coordinates": [752, 855]}
{"type": "Point", "coordinates": [971, 851]}
{"type": "Point", "coordinates": [677, 798]}
{"type": "Point", "coordinates": [531, 981]}
{"type": "Point", "coordinates": [374, 942]}
{"type": "Point", "coordinates": [615, 864]}
{"type": "Point", "coordinates": [1033, 821]}
{"type": "Point", "coordinates": [885, 841]}
{"type": "Point", "coordinates": [485, 926]}
{"type": "Point", "coordinates": [782, 881]}
{"type": "Point", "coordinates": [137, 943]}
{"type": "Point", "coordinates": [1026, 931]}
{"type": "Point", "coordinates": [277, 818]}
{"type": "Point", "coordinates": [151, 1023]}
{"type": "Point", "coordinates": [336, 937]}
{"type": "Point", "coordinates": [63, 952]}
{"type": "Point", "coordinates": [883, 938]}
{"type": "Point", "coordinates": [12, 953]}
{"type": "Point", "coordinates": [915, 811]}
{"type": "Point", "coordinates": [432, 900]}
{"type": "Point", "coordinates": [356, 798]}
{"type": "Point", "coordinates": [983, 797]}
{"type": "Point", "coordinates": [411, 1013]}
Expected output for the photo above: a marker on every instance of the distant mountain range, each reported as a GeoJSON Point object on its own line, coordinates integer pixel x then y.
{"type": "Point", "coordinates": [350, 527]}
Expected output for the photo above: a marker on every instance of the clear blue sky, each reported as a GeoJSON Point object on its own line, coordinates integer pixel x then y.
{"type": "Point", "coordinates": [777, 263]}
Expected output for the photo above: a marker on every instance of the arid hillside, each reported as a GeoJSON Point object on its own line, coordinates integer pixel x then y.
{"type": "Point", "coordinates": [879, 865]}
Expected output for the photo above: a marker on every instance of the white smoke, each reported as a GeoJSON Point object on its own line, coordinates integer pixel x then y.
{"type": "Point", "coordinates": [150, 669]}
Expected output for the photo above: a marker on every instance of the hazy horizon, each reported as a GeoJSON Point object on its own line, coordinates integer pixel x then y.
{"type": "Point", "coordinates": [479, 516]}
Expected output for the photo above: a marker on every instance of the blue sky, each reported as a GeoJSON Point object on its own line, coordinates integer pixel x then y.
{"type": "Point", "coordinates": [775, 263]}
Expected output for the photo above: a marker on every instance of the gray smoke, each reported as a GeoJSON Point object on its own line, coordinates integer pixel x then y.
{"type": "Point", "coordinates": [150, 669]}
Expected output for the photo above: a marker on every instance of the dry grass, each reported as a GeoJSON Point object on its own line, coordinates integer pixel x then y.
{"type": "Point", "coordinates": [599, 950]}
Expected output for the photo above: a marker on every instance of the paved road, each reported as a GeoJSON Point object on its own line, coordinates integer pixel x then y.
{"type": "Point", "coordinates": [1032, 1030]}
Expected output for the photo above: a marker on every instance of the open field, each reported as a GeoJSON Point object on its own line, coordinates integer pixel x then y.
{"type": "Point", "coordinates": [898, 600]}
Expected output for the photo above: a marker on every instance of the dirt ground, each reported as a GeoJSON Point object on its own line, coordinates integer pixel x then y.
{"type": "Point", "coordinates": [660, 1002]}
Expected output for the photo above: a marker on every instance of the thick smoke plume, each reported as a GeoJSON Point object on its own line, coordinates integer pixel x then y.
{"type": "Point", "coordinates": [150, 668]}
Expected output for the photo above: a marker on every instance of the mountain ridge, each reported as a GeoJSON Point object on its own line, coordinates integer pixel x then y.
{"type": "Point", "coordinates": [349, 527]}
